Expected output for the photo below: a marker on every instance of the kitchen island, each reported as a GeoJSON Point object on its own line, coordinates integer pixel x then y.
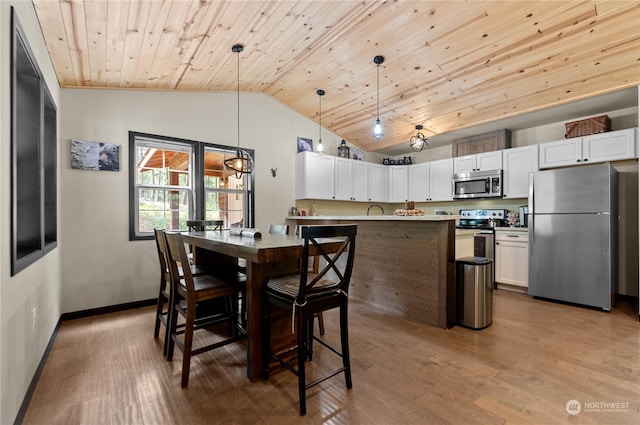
{"type": "Point", "coordinates": [402, 263]}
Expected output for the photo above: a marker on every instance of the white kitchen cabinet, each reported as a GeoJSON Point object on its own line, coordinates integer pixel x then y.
{"type": "Point", "coordinates": [343, 170]}
{"type": "Point", "coordinates": [440, 184]}
{"type": "Point", "coordinates": [512, 258]}
{"type": "Point", "coordinates": [609, 146]}
{"type": "Point", "coordinates": [360, 181]}
{"type": "Point", "coordinates": [431, 181]}
{"type": "Point", "coordinates": [419, 182]}
{"type": "Point", "coordinates": [315, 178]}
{"type": "Point", "coordinates": [478, 162]}
{"type": "Point", "coordinates": [398, 183]}
{"type": "Point", "coordinates": [518, 164]}
{"type": "Point", "coordinates": [378, 188]}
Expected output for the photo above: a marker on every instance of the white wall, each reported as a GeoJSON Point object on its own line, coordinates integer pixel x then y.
{"type": "Point", "coordinates": [38, 286]}
{"type": "Point", "coordinates": [100, 266]}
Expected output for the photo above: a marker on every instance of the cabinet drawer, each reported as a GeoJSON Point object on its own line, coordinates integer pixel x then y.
{"type": "Point", "coordinates": [512, 236]}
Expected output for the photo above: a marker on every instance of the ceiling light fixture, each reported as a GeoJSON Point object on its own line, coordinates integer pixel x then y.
{"type": "Point", "coordinates": [320, 148]}
{"type": "Point", "coordinates": [378, 132]}
{"type": "Point", "coordinates": [242, 163]}
{"type": "Point", "coordinates": [418, 141]}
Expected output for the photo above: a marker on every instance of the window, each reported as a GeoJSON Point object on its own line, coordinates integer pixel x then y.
{"type": "Point", "coordinates": [33, 157]}
{"type": "Point", "coordinates": [174, 180]}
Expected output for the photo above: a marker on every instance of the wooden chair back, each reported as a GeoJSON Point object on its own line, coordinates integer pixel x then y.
{"type": "Point", "coordinates": [179, 261]}
{"type": "Point", "coordinates": [202, 225]}
{"type": "Point", "coordinates": [161, 247]}
{"type": "Point", "coordinates": [278, 229]}
{"type": "Point", "coordinates": [323, 282]}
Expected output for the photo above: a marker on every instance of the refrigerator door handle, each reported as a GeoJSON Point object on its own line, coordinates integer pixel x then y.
{"type": "Point", "coordinates": [531, 204]}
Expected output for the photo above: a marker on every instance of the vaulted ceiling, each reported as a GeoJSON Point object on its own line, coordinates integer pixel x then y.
{"type": "Point", "coordinates": [448, 64]}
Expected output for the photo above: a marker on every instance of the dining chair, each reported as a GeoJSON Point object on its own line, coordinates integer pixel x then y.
{"type": "Point", "coordinates": [314, 264]}
{"type": "Point", "coordinates": [278, 229]}
{"type": "Point", "coordinates": [202, 225]}
{"type": "Point", "coordinates": [187, 294]}
{"type": "Point", "coordinates": [164, 292]}
{"type": "Point", "coordinates": [307, 293]}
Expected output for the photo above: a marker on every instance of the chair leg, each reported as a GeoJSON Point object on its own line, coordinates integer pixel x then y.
{"type": "Point", "coordinates": [188, 343]}
{"type": "Point", "coordinates": [173, 324]}
{"type": "Point", "coordinates": [266, 340]}
{"type": "Point", "coordinates": [309, 324]}
{"type": "Point", "coordinates": [344, 340]}
{"type": "Point", "coordinates": [302, 356]}
{"type": "Point", "coordinates": [320, 324]}
{"type": "Point", "coordinates": [159, 307]}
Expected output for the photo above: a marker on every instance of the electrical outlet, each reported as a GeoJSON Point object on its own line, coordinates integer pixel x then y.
{"type": "Point", "coordinates": [34, 318]}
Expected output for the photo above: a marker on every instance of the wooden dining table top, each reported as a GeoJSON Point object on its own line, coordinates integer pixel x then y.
{"type": "Point", "coordinates": [267, 249]}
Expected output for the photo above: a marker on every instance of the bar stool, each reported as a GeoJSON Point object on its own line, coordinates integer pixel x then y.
{"type": "Point", "coordinates": [306, 294]}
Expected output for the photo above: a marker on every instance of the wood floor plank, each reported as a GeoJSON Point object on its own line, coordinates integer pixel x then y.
{"type": "Point", "coordinates": [523, 369]}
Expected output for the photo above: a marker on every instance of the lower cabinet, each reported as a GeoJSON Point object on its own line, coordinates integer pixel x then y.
{"type": "Point", "coordinates": [512, 258]}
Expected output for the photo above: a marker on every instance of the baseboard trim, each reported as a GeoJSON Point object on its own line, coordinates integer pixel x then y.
{"type": "Point", "coordinates": [36, 377]}
{"type": "Point", "coordinates": [109, 309]}
{"type": "Point", "coordinates": [70, 316]}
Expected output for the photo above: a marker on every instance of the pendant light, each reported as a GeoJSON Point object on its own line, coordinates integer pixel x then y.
{"type": "Point", "coordinates": [242, 163]}
{"type": "Point", "coordinates": [320, 148]}
{"type": "Point", "coordinates": [378, 132]}
{"type": "Point", "coordinates": [418, 141]}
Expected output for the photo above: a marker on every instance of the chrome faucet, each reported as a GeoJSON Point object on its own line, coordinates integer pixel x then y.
{"type": "Point", "coordinates": [375, 205]}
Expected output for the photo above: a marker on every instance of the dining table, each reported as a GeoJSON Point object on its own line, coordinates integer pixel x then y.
{"type": "Point", "coordinates": [266, 257]}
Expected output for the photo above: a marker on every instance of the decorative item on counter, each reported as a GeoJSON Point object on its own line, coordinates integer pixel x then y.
{"type": "Point", "coordinates": [293, 211]}
{"type": "Point", "coordinates": [409, 205]}
{"type": "Point", "coordinates": [408, 212]}
{"type": "Point", "coordinates": [512, 218]}
{"type": "Point", "coordinates": [343, 150]}
{"type": "Point", "coordinates": [313, 211]}
{"type": "Point", "coordinates": [303, 212]}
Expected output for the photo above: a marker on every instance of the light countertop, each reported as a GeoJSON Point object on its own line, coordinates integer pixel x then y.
{"type": "Point", "coordinates": [512, 229]}
{"type": "Point", "coordinates": [377, 217]}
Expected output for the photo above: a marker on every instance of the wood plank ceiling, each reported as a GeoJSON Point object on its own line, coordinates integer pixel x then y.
{"type": "Point", "coordinates": [448, 64]}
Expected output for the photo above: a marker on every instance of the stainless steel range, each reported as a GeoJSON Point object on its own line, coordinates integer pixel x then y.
{"type": "Point", "coordinates": [485, 221]}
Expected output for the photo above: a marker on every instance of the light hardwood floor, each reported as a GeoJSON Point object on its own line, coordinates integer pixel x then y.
{"type": "Point", "coordinates": [523, 369]}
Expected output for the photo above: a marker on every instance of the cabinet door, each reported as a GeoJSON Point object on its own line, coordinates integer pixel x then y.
{"type": "Point", "coordinates": [512, 263]}
{"type": "Point", "coordinates": [314, 176]}
{"type": "Point", "coordinates": [560, 153]}
{"type": "Point", "coordinates": [464, 164]}
{"type": "Point", "coordinates": [418, 182]}
{"type": "Point", "coordinates": [343, 179]}
{"type": "Point", "coordinates": [518, 164]}
{"type": "Point", "coordinates": [360, 181]}
{"type": "Point", "coordinates": [378, 183]}
{"type": "Point", "coordinates": [440, 185]}
{"type": "Point", "coordinates": [489, 161]}
{"type": "Point", "coordinates": [611, 146]}
{"type": "Point", "coordinates": [398, 183]}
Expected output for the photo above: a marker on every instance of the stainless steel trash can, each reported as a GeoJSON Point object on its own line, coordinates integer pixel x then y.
{"type": "Point", "coordinates": [474, 292]}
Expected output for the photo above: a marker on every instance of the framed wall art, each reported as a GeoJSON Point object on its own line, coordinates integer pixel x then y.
{"type": "Point", "coordinates": [95, 156]}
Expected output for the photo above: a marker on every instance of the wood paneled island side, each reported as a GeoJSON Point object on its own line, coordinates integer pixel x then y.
{"type": "Point", "coordinates": [405, 264]}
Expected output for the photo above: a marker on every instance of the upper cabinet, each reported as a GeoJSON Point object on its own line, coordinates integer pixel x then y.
{"type": "Point", "coordinates": [360, 181]}
{"type": "Point", "coordinates": [378, 184]}
{"type": "Point", "coordinates": [315, 177]}
{"type": "Point", "coordinates": [398, 183]}
{"type": "Point", "coordinates": [478, 162]}
{"type": "Point", "coordinates": [518, 164]}
{"type": "Point", "coordinates": [431, 181]}
{"type": "Point", "coordinates": [609, 146]}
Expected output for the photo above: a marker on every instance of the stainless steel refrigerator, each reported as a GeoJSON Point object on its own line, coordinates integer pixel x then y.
{"type": "Point", "coordinates": [573, 234]}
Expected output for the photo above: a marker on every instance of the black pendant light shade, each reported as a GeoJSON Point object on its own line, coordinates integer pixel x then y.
{"type": "Point", "coordinates": [320, 148]}
{"type": "Point", "coordinates": [242, 163]}
{"type": "Point", "coordinates": [378, 131]}
{"type": "Point", "coordinates": [418, 141]}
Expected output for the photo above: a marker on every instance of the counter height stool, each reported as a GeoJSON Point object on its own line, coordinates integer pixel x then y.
{"type": "Point", "coordinates": [202, 225]}
{"type": "Point", "coordinates": [307, 294]}
{"type": "Point", "coordinates": [162, 315]}
{"type": "Point", "coordinates": [187, 292]}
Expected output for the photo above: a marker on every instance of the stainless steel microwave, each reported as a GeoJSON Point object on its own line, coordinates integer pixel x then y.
{"type": "Point", "coordinates": [477, 184]}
